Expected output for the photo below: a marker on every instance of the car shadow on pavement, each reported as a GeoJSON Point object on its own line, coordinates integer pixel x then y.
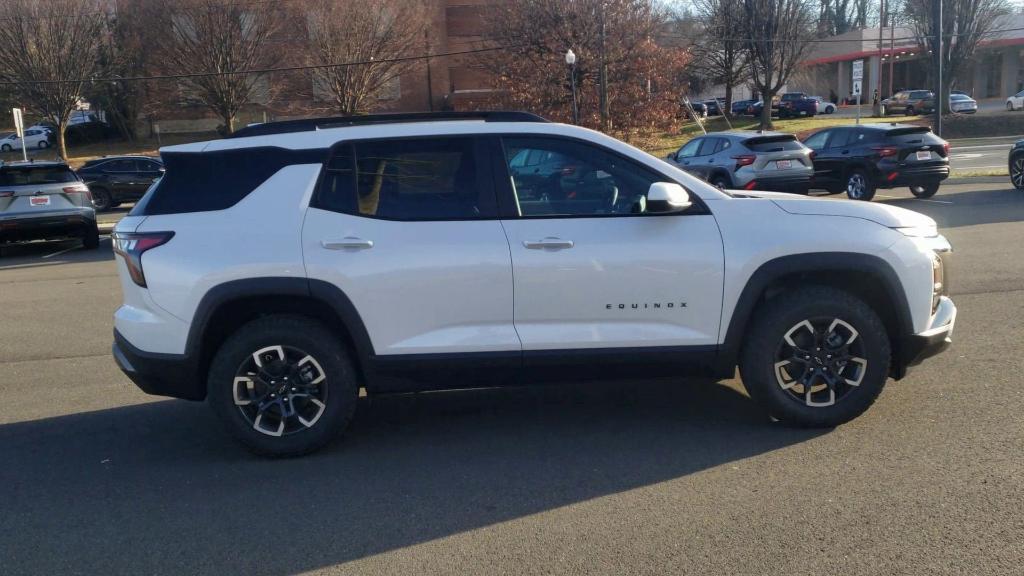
{"type": "Point", "coordinates": [158, 488]}
{"type": "Point", "coordinates": [968, 208]}
{"type": "Point", "coordinates": [49, 253]}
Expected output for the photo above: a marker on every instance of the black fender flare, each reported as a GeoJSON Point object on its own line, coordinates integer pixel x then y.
{"type": "Point", "coordinates": [816, 262]}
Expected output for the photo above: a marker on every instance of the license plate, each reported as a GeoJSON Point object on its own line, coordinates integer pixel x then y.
{"type": "Point", "coordinates": [924, 155]}
{"type": "Point", "coordinates": [39, 201]}
{"type": "Point", "coordinates": [783, 164]}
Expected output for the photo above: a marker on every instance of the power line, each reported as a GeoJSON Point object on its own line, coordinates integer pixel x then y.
{"type": "Point", "coordinates": [256, 71]}
{"type": "Point", "coordinates": [833, 40]}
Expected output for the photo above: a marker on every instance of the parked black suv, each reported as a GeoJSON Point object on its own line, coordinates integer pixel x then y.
{"type": "Point", "coordinates": [116, 179]}
{"type": "Point", "coordinates": [860, 159]}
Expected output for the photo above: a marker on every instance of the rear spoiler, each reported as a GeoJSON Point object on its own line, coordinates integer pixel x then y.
{"type": "Point", "coordinates": [908, 130]}
{"type": "Point", "coordinates": [769, 139]}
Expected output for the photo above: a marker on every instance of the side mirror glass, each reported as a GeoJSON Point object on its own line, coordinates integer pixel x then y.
{"type": "Point", "coordinates": [666, 197]}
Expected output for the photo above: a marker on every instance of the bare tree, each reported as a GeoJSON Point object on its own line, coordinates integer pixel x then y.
{"type": "Point", "coordinates": [377, 32]}
{"type": "Point", "coordinates": [123, 53]}
{"type": "Point", "coordinates": [721, 53]}
{"type": "Point", "coordinates": [778, 35]}
{"type": "Point", "coordinates": [965, 23]}
{"type": "Point", "coordinates": [49, 47]}
{"type": "Point", "coordinates": [218, 40]}
{"type": "Point", "coordinates": [640, 75]}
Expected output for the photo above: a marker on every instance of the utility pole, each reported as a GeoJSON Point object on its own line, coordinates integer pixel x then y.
{"type": "Point", "coordinates": [878, 88]}
{"type": "Point", "coordinates": [430, 81]}
{"type": "Point", "coordinates": [937, 18]}
{"type": "Point", "coordinates": [602, 70]}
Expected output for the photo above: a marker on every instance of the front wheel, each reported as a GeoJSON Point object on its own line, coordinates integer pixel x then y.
{"type": "Point", "coordinates": [910, 111]}
{"type": "Point", "coordinates": [283, 385]}
{"type": "Point", "coordinates": [101, 199]}
{"type": "Point", "coordinates": [859, 186]}
{"type": "Point", "coordinates": [1017, 171]}
{"type": "Point", "coordinates": [816, 357]}
{"type": "Point", "coordinates": [43, 145]}
{"type": "Point", "coordinates": [924, 190]}
{"type": "Point", "coordinates": [6, 148]}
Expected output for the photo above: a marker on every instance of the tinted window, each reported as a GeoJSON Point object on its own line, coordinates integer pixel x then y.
{"type": "Point", "coordinates": [817, 140]}
{"type": "Point", "coordinates": [18, 176]}
{"type": "Point", "coordinates": [708, 146]}
{"type": "Point", "coordinates": [201, 181]}
{"type": "Point", "coordinates": [920, 94]}
{"type": "Point", "coordinates": [119, 166]}
{"type": "Point", "coordinates": [774, 144]}
{"type": "Point", "coordinates": [421, 179]}
{"type": "Point", "coordinates": [839, 138]}
{"type": "Point", "coordinates": [690, 148]}
{"type": "Point", "coordinates": [149, 166]}
{"type": "Point", "coordinates": [912, 136]}
{"type": "Point", "coordinates": [585, 181]}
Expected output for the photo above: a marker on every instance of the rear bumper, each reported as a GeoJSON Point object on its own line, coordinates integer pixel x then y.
{"type": "Point", "coordinates": [898, 176]}
{"type": "Point", "coordinates": [798, 183]}
{"type": "Point", "coordinates": [174, 375]}
{"type": "Point", "coordinates": [73, 225]}
{"type": "Point", "coordinates": [917, 348]}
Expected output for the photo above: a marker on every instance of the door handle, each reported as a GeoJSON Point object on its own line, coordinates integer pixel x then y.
{"type": "Point", "coordinates": [346, 243]}
{"type": "Point", "coordinates": [549, 242]}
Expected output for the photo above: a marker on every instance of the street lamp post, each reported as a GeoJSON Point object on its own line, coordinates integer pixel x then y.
{"type": "Point", "coordinates": [570, 59]}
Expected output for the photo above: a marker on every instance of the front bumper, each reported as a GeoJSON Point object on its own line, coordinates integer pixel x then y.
{"type": "Point", "coordinates": [916, 348]}
{"type": "Point", "coordinates": [174, 375]}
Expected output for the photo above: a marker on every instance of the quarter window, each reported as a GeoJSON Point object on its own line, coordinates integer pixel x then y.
{"type": "Point", "coordinates": [420, 179]}
{"type": "Point", "coordinates": [578, 180]}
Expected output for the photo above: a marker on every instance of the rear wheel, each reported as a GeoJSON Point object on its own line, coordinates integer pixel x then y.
{"type": "Point", "coordinates": [101, 199]}
{"type": "Point", "coordinates": [43, 144]}
{"type": "Point", "coordinates": [924, 190]}
{"type": "Point", "coordinates": [6, 148]}
{"type": "Point", "coordinates": [816, 357]}
{"type": "Point", "coordinates": [859, 185]}
{"type": "Point", "coordinates": [283, 385]}
{"type": "Point", "coordinates": [910, 111]}
{"type": "Point", "coordinates": [1017, 171]}
{"type": "Point", "coordinates": [1009, 106]}
{"type": "Point", "coordinates": [721, 181]}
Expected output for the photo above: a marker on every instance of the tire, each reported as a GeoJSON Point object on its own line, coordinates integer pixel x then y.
{"type": "Point", "coordinates": [91, 240]}
{"type": "Point", "coordinates": [101, 199]}
{"type": "Point", "coordinates": [1017, 171]}
{"type": "Point", "coordinates": [830, 109]}
{"type": "Point", "coordinates": [6, 148]}
{"type": "Point", "coordinates": [910, 111]}
{"type": "Point", "coordinates": [833, 397]}
{"type": "Point", "coordinates": [43, 145]}
{"type": "Point", "coordinates": [721, 181]}
{"type": "Point", "coordinates": [859, 185]}
{"type": "Point", "coordinates": [924, 190]}
{"type": "Point", "coordinates": [1009, 106]}
{"type": "Point", "coordinates": [285, 340]}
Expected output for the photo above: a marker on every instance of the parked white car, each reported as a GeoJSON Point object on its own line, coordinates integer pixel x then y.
{"type": "Point", "coordinates": [34, 138]}
{"type": "Point", "coordinates": [824, 106]}
{"type": "Point", "coordinates": [1015, 102]}
{"type": "Point", "coordinates": [277, 272]}
{"type": "Point", "coordinates": [962, 104]}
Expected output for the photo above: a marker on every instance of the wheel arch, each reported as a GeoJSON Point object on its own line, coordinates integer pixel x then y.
{"type": "Point", "coordinates": [720, 172]}
{"type": "Point", "coordinates": [232, 304]}
{"type": "Point", "coordinates": [866, 276]}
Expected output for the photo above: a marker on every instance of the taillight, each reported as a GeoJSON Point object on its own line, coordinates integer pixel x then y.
{"type": "Point", "coordinates": [750, 185]}
{"type": "Point", "coordinates": [885, 151]}
{"type": "Point", "coordinates": [76, 189]}
{"type": "Point", "coordinates": [6, 194]}
{"type": "Point", "coordinates": [132, 246]}
{"type": "Point", "coordinates": [945, 149]}
{"type": "Point", "coordinates": [744, 160]}
{"type": "Point", "coordinates": [812, 155]}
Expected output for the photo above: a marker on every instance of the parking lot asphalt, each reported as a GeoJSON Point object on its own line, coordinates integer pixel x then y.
{"type": "Point", "coordinates": [652, 477]}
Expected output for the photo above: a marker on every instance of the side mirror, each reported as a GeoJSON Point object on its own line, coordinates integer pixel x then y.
{"type": "Point", "coordinates": [674, 156]}
{"type": "Point", "coordinates": [667, 197]}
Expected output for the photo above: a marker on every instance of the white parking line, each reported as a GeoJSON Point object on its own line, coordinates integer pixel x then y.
{"type": "Point", "coordinates": [64, 251]}
{"type": "Point", "coordinates": [982, 146]}
{"type": "Point", "coordinates": [935, 201]}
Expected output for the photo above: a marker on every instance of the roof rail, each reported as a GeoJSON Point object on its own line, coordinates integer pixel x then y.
{"type": "Point", "coordinates": [310, 124]}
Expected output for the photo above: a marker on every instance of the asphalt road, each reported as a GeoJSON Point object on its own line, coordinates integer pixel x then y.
{"type": "Point", "coordinates": [655, 477]}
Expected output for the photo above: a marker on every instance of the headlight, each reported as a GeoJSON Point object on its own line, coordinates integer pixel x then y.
{"type": "Point", "coordinates": [919, 231]}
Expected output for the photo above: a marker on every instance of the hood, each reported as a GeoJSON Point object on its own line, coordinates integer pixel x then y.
{"type": "Point", "coordinates": [884, 214]}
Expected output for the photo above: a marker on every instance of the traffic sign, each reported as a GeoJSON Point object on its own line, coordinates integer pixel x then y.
{"type": "Point", "coordinates": [856, 87]}
{"type": "Point", "coordinates": [19, 122]}
{"type": "Point", "coordinates": [858, 70]}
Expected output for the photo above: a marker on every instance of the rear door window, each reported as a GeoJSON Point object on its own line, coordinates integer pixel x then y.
{"type": "Point", "coordinates": [708, 146]}
{"type": "Point", "coordinates": [414, 179]}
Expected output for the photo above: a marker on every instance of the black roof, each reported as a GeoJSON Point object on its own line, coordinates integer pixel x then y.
{"type": "Point", "coordinates": [310, 124]}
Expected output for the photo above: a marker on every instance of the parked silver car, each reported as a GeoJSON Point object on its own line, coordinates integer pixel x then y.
{"type": "Point", "coordinates": [962, 104]}
{"type": "Point", "coordinates": [748, 160]}
{"type": "Point", "coordinates": [45, 201]}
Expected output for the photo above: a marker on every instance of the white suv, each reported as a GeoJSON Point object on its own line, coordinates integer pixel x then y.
{"type": "Point", "coordinates": [277, 272]}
